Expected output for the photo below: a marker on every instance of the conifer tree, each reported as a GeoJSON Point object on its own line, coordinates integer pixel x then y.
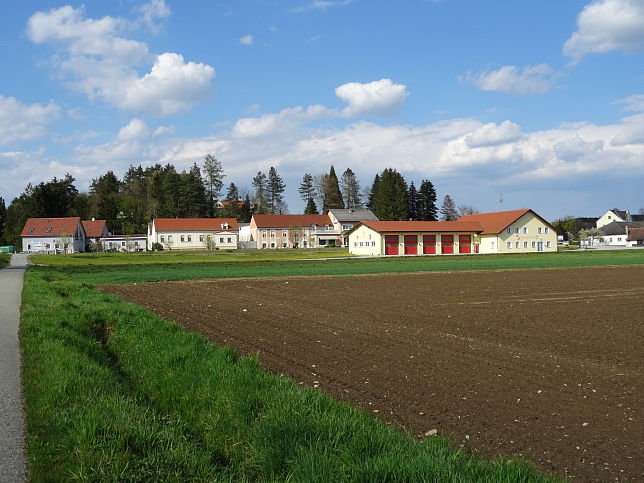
{"type": "Point", "coordinates": [412, 194]}
{"type": "Point", "coordinates": [311, 208]}
{"type": "Point", "coordinates": [427, 209]}
{"type": "Point", "coordinates": [275, 189]}
{"type": "Point", "coordinates": [391, 199]}
{"type": "Point", "coordinates": [350, 190]}
{"type": "Point", "coordinates": [332, 195]}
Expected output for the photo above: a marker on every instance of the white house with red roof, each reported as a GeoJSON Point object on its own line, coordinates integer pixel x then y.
{"type": "Point", "coordinates": [516, 231]}
{"type": "Point", "coordinates": [194, 233]}
{"type": "Point", "coordinates": [293, 231]}
{"type": "Point", "coordinates": [95, 231]}
{"type": "Point", "coordinates": [47, 235]}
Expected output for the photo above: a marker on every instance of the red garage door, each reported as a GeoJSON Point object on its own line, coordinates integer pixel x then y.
{"type": "Point", "coordinates": [411, 245]}
{"type": "Point", "coordinates": [447, 243]}
{"type": "Point", "coordinates": [464, 243]}
{"type": "Point", "coordinates": [391, 244]}
{"type": "Point", "coordinates": [429, 244]}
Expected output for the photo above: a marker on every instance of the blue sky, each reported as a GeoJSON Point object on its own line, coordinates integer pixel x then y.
{"type": "Point", "coordinates": [541, 103]}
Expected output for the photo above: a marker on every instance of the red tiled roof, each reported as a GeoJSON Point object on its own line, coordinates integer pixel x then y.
{"type": "Point", "coordinates": [284, 221]}
{"type": "Point", "coordinates": [50, 226]}
{"type": "Point", "coordinates": [195, 224]}
{"type": "Point", "coordinates": [497, 221]}
{"type": "Point", "coordinates": [425, 226]}
{"type": "Point", "coordinates": [635, 234]}
{"type": "Point", "coordinates": [93, 228]}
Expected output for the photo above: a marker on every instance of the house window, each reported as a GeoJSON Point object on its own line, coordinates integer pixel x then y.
{"type": "Point", "coordinates": [326, 227]}
{"type": "Point", "coordinates": [509, 245]}
{"type": "Point", "coordinates": [284, 245]}
{"type": "Point", "coordinates": [355, 244]}
{"type": "Point", "coordinates": [534, 244]}
{"type": "Point", "coordinates": [548, 244]}
{"type": "Point", "coordinates": [619, 238]}
{"type": "Point", "coordinates": [525, 244]}
{"type": "Point", "coordinates": [540, 230]}
{"type": "Point", "coordinates": [360, 243]}
{"type": "Point", "coordinates": [169, 238]}
{"type": "Point", "coordinates": [313, 228]}
{"type": "Point", "coordinates": [518, 244]}
{"type": "Point", "coordinates": [183, 238]}
{"type": "Point", "coordinates": [346, 226]}
{"type": "Point", "coordinates": [189, 238]}
{"type": "Point", "coordinates": [162, 239]}
{"type": "Point", "coordinates": [525, 230]}
{"type": "Point", "coordinates": [373, 243]}
{"type": "Point", "coordinates": [272, 233]}
{"type": "Point", "coordinates": [547, 230]}
{"type": "Point", "coordinates": [272, 244]}
{"type": "Point", "coordinates": [492, 245]}
{"type": "Point", "coordinates": [230, 240]}
{"type": "Point", "coordinates": [221, 239]}
{"type": "Point", "coordinates": [200, 238]}
{"type": "Point", "coordinates": [516, 230]}
{"type": "Point", "coordinates": [284, 233]}
{"type": "Point", "coordinates": [263, 233]}
{"type": "Point", "coordinates": [509, 230]}
{"type": "Point", "coordinates": [122, 244]}
{"type": "Point", "coordinates": [264, 245]}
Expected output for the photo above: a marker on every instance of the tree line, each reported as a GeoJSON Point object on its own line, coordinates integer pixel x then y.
{"type": "Point", "coordinates": [129, 203]}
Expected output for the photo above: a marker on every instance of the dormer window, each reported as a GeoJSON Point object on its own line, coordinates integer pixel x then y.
{"type": "Point", "coordinates": [224, 226]}
{"type": "Point", "coordinates": [48, 229]}
{"type": "Point", "coordinates": [31, 230]}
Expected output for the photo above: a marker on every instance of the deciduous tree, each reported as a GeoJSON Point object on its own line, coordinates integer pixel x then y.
{"type": "Point", "coordinates": [260, 199]}
{"type": "Point", "coordinates": [350, 188]}
{"type": "Point", "coordinates": [448, 209]}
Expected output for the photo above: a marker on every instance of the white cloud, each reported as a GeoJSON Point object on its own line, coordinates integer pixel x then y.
{"type": "Point", "coordinates": [103, 64]}
{"type": "Point", "coordinates": [492, 134]}
{"type": "Point", "coordinates": [285, 120]}
{"type": "Point", "coordinates": [377, 98]}
{"type": "Point", "coordinates": [510, 79]}
{"type": "Point", "coordinates": [321, 5]}
{"type": "Point", "coordinates": [151, 12]}
{"type": "Point", "coordinates": [246, 40]}
{"type": "Point", "coordinates": [605, 26]}
{"type": "Point", "coordinates": [633, 103]}
{"type": "Point", "coordinates": [20, 122]}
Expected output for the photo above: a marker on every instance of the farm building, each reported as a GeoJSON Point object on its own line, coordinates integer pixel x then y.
{"type": "Point", "coordinates": [412, 237]}
{"type": "Point", "coordinates": [635, 237]}
{"type": "Point", "coordinates": [194, 233]}
{"type": "Point", "coordinates": [344, 220]}
{"type": "Point", "coordinates": [47, 235]}
{"type": "Point", "coordinates": [293, 231]}
{"type": "Point", "coordinates": [514, 231]}
{"type": "Point", "coordinates": [519, 231]}
{"type": "Point", "coordinates": [95, 230]}
{"type": "Point", "coordinates": [616, 232]}
{"type": "Point", "coordinates": [617, 215]}
{"type": "Point", "coordinates": [124, 243]}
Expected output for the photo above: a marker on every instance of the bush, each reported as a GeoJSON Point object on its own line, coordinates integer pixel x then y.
{"type": "Point", "coordinates": [157, 247]}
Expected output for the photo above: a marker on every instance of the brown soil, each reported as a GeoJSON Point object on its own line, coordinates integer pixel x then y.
{"type": "Point", "coordinates": [545, 364]}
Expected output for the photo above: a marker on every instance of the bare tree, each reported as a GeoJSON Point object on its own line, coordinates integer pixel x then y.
{"type": "Point", "coordinates": [467, 210]}
{"type": "Point", "coordinates": [63, 241]}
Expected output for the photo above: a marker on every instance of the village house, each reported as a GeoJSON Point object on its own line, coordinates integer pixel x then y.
{"type": "Point", "coordinates": [617, 215]}
{"type": "Point", "coordinates": [635, 237]}
{"type": "Point", "coordinates": [95, 231]}
{"type": "Point", "coordinates": [124, 243]}
{"type": "Point", "coordinates": [194, 233]}
{"type": "Point", "coordinates": [616, 232]}
{"type": "Point", "coordinates": [48, 235]}
{"type": "Point", "coordinates": [345, 219]}
{"type": "Point", "coordinates": [292, 231]}
{"type": "Point", "coordinates": [516, 231]}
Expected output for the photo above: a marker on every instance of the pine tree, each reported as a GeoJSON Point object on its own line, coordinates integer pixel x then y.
{"type": "Point", "coordinates": [448, 209]}
{"type": "Point", "coordinates": [213, 181]}
{"type": "Point", "coordinates": [350, 190]}
{"type": "Point", "coordinates": [391, 199]}
{"type": "Point", "coordinates": [260, 198]}
{"type": "Point", "coordinates": [307, 188]}
{"type": "Point", "coordinates": [275, 190]}
{"type": "Point", "coordinates": [412, 195]}
{"type": "Point", "coordinates": [311, 208]}
{"type": "Point", "coordinates": [245, 210]}
{"type": "Point", "coordinates": [232, 201]}
{"type": "Point", "coordinates": [373, 191]}
{"type": "Point", "coordinates": [427, 209]}
{"type": "Point", "coordinates": [105, 199]}
{"type": "Point", "coordinates": [332, 195]}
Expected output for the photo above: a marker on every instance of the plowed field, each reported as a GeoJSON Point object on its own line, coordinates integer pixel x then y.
{"type": "Point", "coordinates": [546, 364]}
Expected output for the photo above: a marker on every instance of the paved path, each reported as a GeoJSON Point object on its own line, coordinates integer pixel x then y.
{"type": "Point", "coordinates": [13, 462]}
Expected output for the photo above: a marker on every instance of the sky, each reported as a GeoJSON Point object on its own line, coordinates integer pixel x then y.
{"type": "Point", "coordinates": [501, 104]}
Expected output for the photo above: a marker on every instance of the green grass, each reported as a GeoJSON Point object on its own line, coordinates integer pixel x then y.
{"type": "Point", "coordinates": [96, 274]}
{"type": "Point", "coordinates": [113, 392]}
{"type": "Point", "coordinates": [196, 256]}
{"type": "Point", "coordinates": [5, 258]}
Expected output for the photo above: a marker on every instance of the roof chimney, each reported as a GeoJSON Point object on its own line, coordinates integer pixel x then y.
{"type": "Point", "coordinates": [93, 219]}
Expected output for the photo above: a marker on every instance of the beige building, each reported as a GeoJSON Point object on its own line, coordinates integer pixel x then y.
{"type": "Point", "coordinates": [516, 231]}
{"type": "Point", "coordinates": [292, 231]}
{"type": "Point", "coordinates": [345, 219]}
{"type": "Point", "coordinates": [194, 233]}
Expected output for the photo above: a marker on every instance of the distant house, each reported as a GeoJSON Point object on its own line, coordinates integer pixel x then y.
{"type": "Point", "coordinates": [617, 215]}
{"type": "Point", "coordinates": [292, 231]}
{"type": "Point", "coordinates": [43, 235]}
{"type": "Point", "coordinates": [95, 231]}
{"type": "Point", "coordinates": [516, 231]}
{"type": "Point", "coordinates": [344, 220]}
{"type": "Point", "coordinates": [635, 237]}
{"type": "Point", "coordinates": [124, 243]}
{"type": "Point", "coordinates": [616, 232]}
{"type": "Point", "coordinates": [194, 233]}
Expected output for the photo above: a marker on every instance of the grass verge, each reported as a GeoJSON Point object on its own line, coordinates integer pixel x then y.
{"type": "Point", "coordinates": [5, 258]}
{"type": "Point", "coordinates": [97, 274]}
{"type": "Point", "coordinates": [115, 393]}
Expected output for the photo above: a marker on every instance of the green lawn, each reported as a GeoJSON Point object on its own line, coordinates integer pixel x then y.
{"type": "Point", "coordinates": [5, 258]}
{"type": "Point", "coordinates": [105, 273]}
{"type": "Point", "coordinates": [115, 393]}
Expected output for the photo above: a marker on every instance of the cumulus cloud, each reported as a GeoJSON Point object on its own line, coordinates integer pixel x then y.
{"type": "Point", "coordinates": [102, 63]}
{"type": "Point", "coordinates": [377, 98]}
{"type": "Point", "coordinates": [246, 40]}
{"type": "Point", "coordinates": [510, 79]}
{"type": "Point", "coordinates": [285, 120]}
{"type": "Point", "coordinates": [20, 122]}
{"type": "Point", "coordinates": [492, 134]}
{"type": "Point", "coordinates": [151, 12]}
{"type": "Point", "coordinates": [605, 26]}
